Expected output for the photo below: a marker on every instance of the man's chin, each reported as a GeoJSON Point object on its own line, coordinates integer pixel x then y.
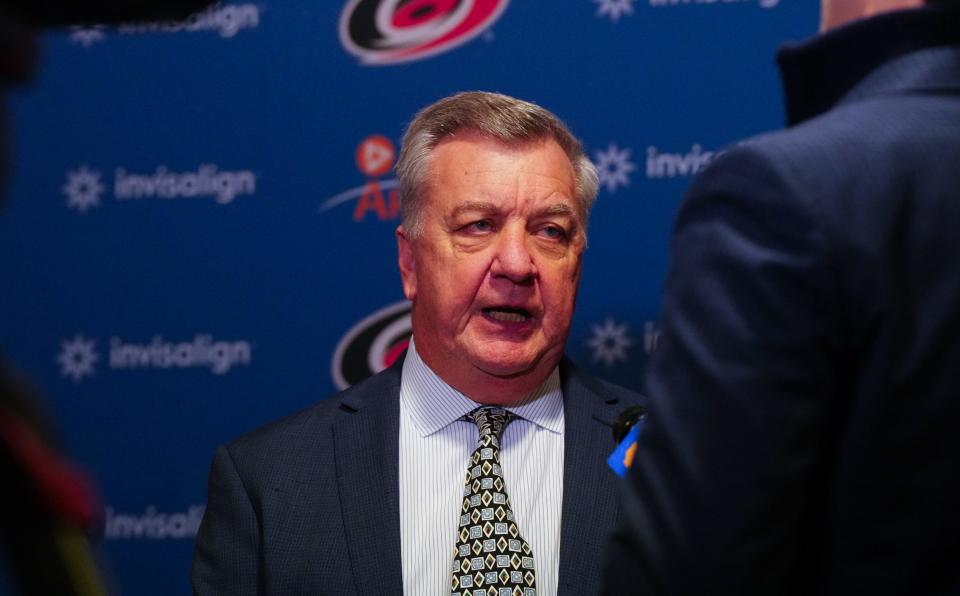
{"type": "Point", "coordinates": [508, 366]}
{"type": "Point", "coordinates": [505, 371]}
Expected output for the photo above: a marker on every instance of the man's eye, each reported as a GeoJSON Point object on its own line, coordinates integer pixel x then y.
{"type": "Point", "coordinates": [554, 232]}
{"type": "Point", "coordinates": [480, 226]}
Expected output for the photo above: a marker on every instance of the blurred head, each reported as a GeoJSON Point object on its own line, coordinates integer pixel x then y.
{"type": "Point", "coordinates": [495, 196]}
{"type": "Point", "coordinates": [835, 13]}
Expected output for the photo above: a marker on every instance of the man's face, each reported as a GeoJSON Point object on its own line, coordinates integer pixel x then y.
{"type": "Point", "coordinates": [493, 276]}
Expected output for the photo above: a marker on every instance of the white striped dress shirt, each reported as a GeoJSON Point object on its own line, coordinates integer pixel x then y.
{"type": "Point", "coordinates": [435, 445]}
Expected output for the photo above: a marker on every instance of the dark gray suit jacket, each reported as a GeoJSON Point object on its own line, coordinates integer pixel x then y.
{"type": "Point", "coordinates": [803, 434]}
{"type": "Point", "coordinates": [310, 504]}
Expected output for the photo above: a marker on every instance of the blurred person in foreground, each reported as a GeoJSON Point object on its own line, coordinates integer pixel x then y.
{"type": "Point", "coordinates": [803, 434]}
{"type": "Point", "coordinates": [365, 492]}
{"type": "Point", "coordinates": [48, 508]}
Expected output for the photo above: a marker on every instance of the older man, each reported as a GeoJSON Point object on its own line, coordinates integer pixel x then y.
{"type": "Point", "coordinates": [475, 465]}
{"type": "Point", "coordinates": [804, 426]}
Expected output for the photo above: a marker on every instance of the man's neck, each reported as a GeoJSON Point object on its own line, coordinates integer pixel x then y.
{"type": "Point", "coordinates": [488, 389]}
{"type": "Point", "coordinates": [835, 13]}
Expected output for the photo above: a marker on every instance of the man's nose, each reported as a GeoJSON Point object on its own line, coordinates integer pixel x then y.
{"type": "Point", "coordinates": [513, 259]}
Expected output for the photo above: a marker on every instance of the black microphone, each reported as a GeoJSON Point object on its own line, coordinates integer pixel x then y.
{"type": "Point", "coordinates": [627, 420]}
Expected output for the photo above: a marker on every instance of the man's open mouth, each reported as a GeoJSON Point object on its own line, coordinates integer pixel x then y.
{"type": "Point", "coordinates": [508, 315]}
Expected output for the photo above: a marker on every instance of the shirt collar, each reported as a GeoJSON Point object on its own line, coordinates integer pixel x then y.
{"type": "Point", "coordinates": [433, 404]}
{"type": "Point", "coordinates": [821, 72]}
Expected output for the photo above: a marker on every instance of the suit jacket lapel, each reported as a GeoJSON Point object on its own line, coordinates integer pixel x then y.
{"type": "Point", "coordinates": [590, 501]}
{"type": "Point", "coordinates": [366, 444]}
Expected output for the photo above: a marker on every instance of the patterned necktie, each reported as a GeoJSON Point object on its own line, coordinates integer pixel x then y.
{"type": "Point", "coordinates": [490, 558]}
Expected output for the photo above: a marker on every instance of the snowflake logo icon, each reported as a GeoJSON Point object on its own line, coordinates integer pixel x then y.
{"type": "Point", "coordinates": [87, 36]}
{"type": "Point", "coordinates": [83, 189]}
{"type": "Point", "coordinates": [614, 167]}
{"type": "Point", "coordinates": [613, 9]}
{"type": "Point", "coordinates": [610, 342]}
{"type": "Point", "coordinates": [77, 358]}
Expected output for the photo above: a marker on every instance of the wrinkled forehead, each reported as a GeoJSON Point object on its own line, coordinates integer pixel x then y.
{"type": "Point", "coordinates": [492, 143]}
{"type": "Point", "coordinates": [472, 165]}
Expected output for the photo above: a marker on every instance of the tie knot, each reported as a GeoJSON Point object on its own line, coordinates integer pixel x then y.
{"type": "Point", "coordinates": [490, 420]}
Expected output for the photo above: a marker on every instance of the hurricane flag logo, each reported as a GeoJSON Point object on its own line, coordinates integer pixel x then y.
{"type": "Point", "coordinates": [372, 345]}
{"type": "Point", "coordinates": [382, 32]}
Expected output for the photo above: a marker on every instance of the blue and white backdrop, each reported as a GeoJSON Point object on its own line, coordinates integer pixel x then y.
{"type": "Point", "coordinates": [198, 235]}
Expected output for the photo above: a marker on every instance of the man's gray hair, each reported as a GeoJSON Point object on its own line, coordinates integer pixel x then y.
{"type": "Point", "coordinates": [506, 119]}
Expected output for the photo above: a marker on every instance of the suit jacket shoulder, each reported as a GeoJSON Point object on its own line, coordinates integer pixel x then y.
{"type": "Point", "coordinates": [802, 365]}
{"type": "Point", "coordinates": [307, 504]}
{"type": "Point", "coordinates": [299, 431]}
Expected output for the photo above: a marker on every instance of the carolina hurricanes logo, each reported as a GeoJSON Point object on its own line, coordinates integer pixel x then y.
{"type": "Point", "coordinates": [372, 345]}
{"type": "Point", "coordinates": [391, 31]}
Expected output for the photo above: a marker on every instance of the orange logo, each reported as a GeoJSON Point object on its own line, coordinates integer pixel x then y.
{"type": "Point", "coordinates": [374, 156]}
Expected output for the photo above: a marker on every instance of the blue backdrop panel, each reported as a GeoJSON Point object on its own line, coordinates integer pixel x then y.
{"type": "Point", "coordinates": [199, 231]}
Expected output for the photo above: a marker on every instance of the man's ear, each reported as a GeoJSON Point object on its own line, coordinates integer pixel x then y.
{"type": "Point", "coordinates": [407, 263]}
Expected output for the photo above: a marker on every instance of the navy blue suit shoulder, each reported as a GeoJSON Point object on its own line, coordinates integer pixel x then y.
{"type": "Point", "coordinates": [294, 431]}
{"type": "Point", "coordinates": [273, 523]}
{"type": "Point", "coordinates": [802, 430]}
